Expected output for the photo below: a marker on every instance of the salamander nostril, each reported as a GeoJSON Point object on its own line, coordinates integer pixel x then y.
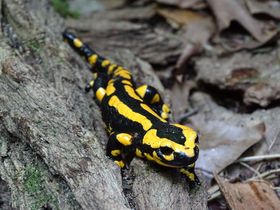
{"type": "Point", "coordinates": [166, 150]}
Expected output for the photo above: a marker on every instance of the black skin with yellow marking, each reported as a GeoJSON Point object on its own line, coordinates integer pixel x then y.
{"type": "Point", "coordinates": [137, 118]}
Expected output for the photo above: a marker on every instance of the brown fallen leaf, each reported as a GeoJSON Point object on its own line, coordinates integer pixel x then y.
{"type": "Point", "coordinates": [179, 97]}
{"type": "Point", "coordinates": [230, 42]}
{"type": "Point", "coordinates": [194, 4]}
{"type": "Point", "coordinates": [227, 11]}
{"type": "Point", "coordinates": [179, 16]}
{"type": "Point", "coordinates": [269, 7]}
{"type": "Point", "coordinates": [255, 75]}
{"type": "Point", "coordinates": [195, 37]}
{"type": "Point", "coordinates": [113, 29]}
{"type": "Point", "coordinates": [224, 135]}
{"type": "Point", "coordinates": [250, 196]}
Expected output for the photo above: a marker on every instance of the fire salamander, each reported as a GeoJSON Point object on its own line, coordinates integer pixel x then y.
{"type": "Point", "coordinates": [137, 118]}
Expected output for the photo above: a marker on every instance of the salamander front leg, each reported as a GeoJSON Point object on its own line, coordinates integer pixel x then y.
{"type": "Point", "coordinates": [192, 178]}
{"type": "Point", "coordinates": [151, 96]}
{"type": "Point", "coordinates": [116, 146]}
{"type": "Point", "coordinates": [98, 85]}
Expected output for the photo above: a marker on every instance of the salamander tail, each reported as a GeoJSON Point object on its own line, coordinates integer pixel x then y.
{"type": "Point", "coordinates": [83, 49]}
{"type": "Point", "coordinates": [97, 62]}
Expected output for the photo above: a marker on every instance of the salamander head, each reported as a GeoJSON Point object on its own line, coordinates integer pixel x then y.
{"type": "Point", "coordinates": [172, 146]}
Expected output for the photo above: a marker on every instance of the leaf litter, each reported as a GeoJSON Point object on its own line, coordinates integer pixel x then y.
{"type": "Point", "coordinates": [233, 47]}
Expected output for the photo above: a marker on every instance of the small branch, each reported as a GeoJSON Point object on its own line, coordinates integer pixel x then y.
{"type": "Point", "coordinates": [273, 142]}
{"type": "Point", "coordinates": [250, 168]}
{"type": "Point", "coordinates": [259, 158]}
{"type": "Point", "coordinates": [214, 195]}
{"type": "Point", "coordinates": [188, 114]}
{"type": "Point", "coordinates": [265, 174]}
{"type": "Point", "coordinates": [213, 189]}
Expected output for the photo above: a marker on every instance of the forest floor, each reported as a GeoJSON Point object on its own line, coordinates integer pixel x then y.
{"type": "Point", "coordinates": [216, 63]}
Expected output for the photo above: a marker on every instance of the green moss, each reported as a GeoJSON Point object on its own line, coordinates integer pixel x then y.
{"type": "Point", "coordinates": [62, 7]}
{"type": "Point", "coordinates": [32, 179]}
{"type": "Point", "coordinates": [35, 188]}
{"type": "Point", "coordinates": [34, 45]}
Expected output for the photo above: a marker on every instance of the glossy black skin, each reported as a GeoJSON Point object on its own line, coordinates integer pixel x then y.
{"type": "Point", "coordinates": [118, 123]}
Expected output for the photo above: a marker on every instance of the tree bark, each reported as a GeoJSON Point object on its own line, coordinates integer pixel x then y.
{"type": "Point", "coordinates": [52, 142]}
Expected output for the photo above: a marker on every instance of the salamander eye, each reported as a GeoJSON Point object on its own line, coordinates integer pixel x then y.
{"type": "Point", "coordinates": [166, 150]}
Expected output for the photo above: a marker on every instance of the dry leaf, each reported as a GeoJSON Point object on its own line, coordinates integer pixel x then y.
{"type": "Point", "coordinates": [257, 75]}
{"type": "Point", "coordinates": [118, 29]}
{"type": "Point", "coordinates": [271, 143]}
{"type": "Point", "coordinates": [179, 97]}
{"type": "Point", "coordinates": [194, 4]}
{"type": "Point", "coordinates": [180, 16]}
{"type": "Point", "coordinates": [270, 7]}
{"type": "Point", "coordinates": [195, 36]}
{"type": "Point", "coordinates": [250, 196]}
{"type": "Point", "coordinates": [230, 42]}
{"type": "Point", "coordinates": [224, 135]}
{"type": "Point", "coordinates": [227, 11]}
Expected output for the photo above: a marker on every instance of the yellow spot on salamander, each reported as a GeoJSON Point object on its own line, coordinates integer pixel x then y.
{"type": "Point", "coordinates": [115, 152]}
{"type": "Point", "coordinates": [119, 163]}
{"type": "Point", "coordinates": [148, 156]}
{"type": "Point", "coordinates": [188, 174]}
{"type": "Point", "coordinates": [77, 43]}
{"type": "Point", "coordinates": [127, 112]}
{"type": "Point", "coordinates": [111, 81]}
{"type": "Point", "coordinates": [94, 75]}
{"type": "Point", "coordinates": [165, 108]}
{"type": "Point", "coordinates": [191, 165]}
{"type": "Point", "coordinates": [100, 93]}
{"type": "Point", "coordinates": [131, 92]}
{"type": "Point", "coordinates": [124, 138]}
{"type": "Point", "coordinates": [169, 157]}
{"type": "Point", "coordinates": [92, 59]}
{"type": "Point", "coordinates": [105, 63]}
{"type": "Point", "coordinates": [110, 89]}
{"type": "Point", "coordinates": [190, 136]}
{"type": "Point", "coordinates": [155, 99]}
{"type": "Point", "coordinates": [91, 83]}
{"type": "Point", "coordinates": [142, 90]}
{"type": "Point", "coordinates": [139, 153]}
{"type": "Point", "coordinates": [111, 68]}
{"type": "Point", "coordinates": [164, 115]}
{"type": "Point", "coordinates": [122, 73]}
{"type": "Point", "coordinates": [148, 109]}
{"type": "Point", "coordinates": [126, 82]}
{"type": "Point", "coordinates": [157, 159]}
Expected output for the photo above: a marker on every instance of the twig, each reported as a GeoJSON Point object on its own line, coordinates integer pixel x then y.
{"type": "Point", "coordinates": [214, 195]}
{"type": "Point", "coordinates": [274, 140]}
{"type": "Point", "coordinates": [188, 114]}
{"type": "Point", "coordinates": [213, 189]}
{"type": "Point", "coordinates": [259, 158]}
{"type": "Point", "coordinates": [265, 174]}
{"type": "Point", "coordinates": [250, 168]}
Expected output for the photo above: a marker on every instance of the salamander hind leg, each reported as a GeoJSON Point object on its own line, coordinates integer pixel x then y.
{"type": "Point", "coordinates": [116, 147]}
{"type": "Point", "coordinates": [151, 96]}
